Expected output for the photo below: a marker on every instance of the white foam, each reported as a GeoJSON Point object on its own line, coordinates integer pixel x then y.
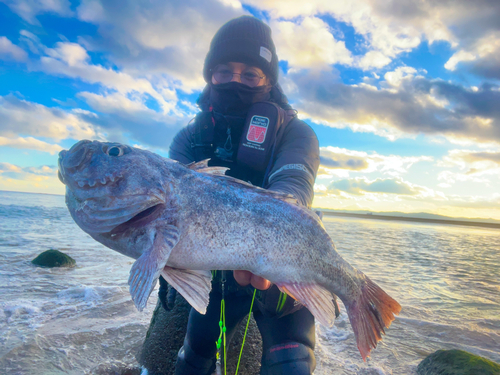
{"type": "Point", "coordinates": [89, 294]}
{"type": "Point", "coordinates": [340, 331]}
{"type": "Point", "coordinates": [19, 309]}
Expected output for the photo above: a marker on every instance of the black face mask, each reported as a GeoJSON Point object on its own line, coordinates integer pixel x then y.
{"type": "Point", "coordinates": [235, 98]}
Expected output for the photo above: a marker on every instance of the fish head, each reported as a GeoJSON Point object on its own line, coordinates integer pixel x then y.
{"type": "Point", "coordinates": [111, 186]}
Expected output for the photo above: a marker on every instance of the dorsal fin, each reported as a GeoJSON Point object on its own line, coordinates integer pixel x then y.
{"type": "Point", "coordinates": [202, 167]}
{"type": "Point", "coordinates": [198, 165]}
{"type": "Point", "coordinates": [275, 194]}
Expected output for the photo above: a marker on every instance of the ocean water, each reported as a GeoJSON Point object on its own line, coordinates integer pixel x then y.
{"type": "Point", "coordinates": [70, 321]}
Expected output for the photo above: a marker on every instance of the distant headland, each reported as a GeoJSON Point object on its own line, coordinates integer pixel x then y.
{"type": "Point", "coordinates": [415, 217]}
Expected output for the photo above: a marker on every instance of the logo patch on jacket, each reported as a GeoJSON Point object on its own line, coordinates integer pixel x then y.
{"type": "Point", "coordinates": [257, 129]}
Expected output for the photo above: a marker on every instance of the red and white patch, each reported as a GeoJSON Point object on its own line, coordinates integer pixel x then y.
{"type": "Point", "coordinates": [258, 129]}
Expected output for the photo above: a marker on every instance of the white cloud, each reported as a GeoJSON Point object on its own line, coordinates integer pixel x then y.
{"type": "Point", "coordinates": [70, 53]}
{"type": "Point", "coordinates": [309, 44]}
{"type": "Point", "coordinates": [333, 158]}
{"type": "Point", "coordinates": [21, 117]}
{"type": "Point", "coordinates": [469, 165]}
{"type": "Point", "coordinates": [373, 59]}
{"type": "Point", "coordinates": [481, 56]}
{"type": "Point", "coordinates": [39, 179]}
{"type": "Point", "coordinates": [115, 102]}
{"type": "Point", "coordinates": [71, 59]}
{"type": "Point", "coordinates": [426, 200]}
{"type": "Point", "coordinates": [31, 144]}
{"type": "Point", "coordinates": [458, 57]}
{"type": "Point", "coordinates": [320, 189]}
{"type": "Point", "coordinates": [404, 106]}
{"type": "Point", "coordinates": [472, 159]}
{"type": "Point", "coordinates": [394, 27]}
{"type": "Point", "coordinates": [31, 42]}
{"type": "Point", "coordinates": [167, 39]}
{"type": "Point", "coordinates": [395, 77]}
{"type": "Point", "coordinates": [91, 11]}
{"type": "Point", "coordinates": [379, 186]}
{"type": "Point", "coordinates": [482, 48]}
{"type": "Point", "coordinates": [10, 51]}
{"type": "Point", "coordinates": [29, 9]}
{"type": "Point", "coordinates": [127, 115]}
{"type": "Point", "coordinates": [7, 167]}
{"type": "Point", "coordinates": [386, 33]}
{"type": "Point", "coordinates": [232, 3]}
{"type": "Point", "coordinates": [451, 178]}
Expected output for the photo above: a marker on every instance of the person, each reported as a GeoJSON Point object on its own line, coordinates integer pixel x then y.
{"type": "Point", "coordinates": [247, 125]}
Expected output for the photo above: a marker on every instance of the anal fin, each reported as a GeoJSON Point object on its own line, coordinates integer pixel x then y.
{"type": "Point", "coordinates": [193, 285]}
{"type": "Point", "coordinates": [318, 300]}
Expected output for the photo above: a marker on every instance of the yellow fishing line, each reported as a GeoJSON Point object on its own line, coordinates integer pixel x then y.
{"type": "Point", "coordinates": [245, 335]}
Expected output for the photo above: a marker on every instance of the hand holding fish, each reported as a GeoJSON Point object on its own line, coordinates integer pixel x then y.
{"type": "Point", "coordinates": [246, 277]}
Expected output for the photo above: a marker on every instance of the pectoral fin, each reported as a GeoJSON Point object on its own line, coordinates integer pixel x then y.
{"type": "Point", "coordinates": [193, 285]}
{"type": "Point", "coordinates": [158, 243]}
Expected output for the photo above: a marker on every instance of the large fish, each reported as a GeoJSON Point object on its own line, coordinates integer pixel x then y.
{"type": "Point", "coordinates": [183, 221]}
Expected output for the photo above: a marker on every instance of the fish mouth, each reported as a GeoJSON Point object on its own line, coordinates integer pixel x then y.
{"type": "Point", "coordinates": [141, 219]}
{"type": "Point", "coordinates": [100, 215]}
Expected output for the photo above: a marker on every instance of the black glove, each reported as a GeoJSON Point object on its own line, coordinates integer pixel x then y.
{"type": "Point", "coordinates": [167, 295]}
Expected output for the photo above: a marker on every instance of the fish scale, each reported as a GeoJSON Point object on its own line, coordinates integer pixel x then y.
{"type": "Point", "coordinates": [181, 222]}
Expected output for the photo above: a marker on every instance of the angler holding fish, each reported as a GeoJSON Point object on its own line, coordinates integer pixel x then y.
{"type": "Point", "coordinates": [182, 219]}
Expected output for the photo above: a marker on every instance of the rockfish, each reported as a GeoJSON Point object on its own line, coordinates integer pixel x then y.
{"type": "Point", "coordinates": [182, 221]}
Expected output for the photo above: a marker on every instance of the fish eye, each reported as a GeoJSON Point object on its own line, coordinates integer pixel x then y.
{"type": "Point", "coordinates": [115, 151]}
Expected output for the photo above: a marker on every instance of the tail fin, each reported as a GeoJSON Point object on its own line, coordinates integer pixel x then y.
{"type": "Point", "coordinates": [369, 314]}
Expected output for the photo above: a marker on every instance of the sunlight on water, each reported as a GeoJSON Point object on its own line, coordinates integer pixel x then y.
{"type": "Point", "coordinates": [445, 277]}
{"type": "Point", "coordinates": [68, 321]}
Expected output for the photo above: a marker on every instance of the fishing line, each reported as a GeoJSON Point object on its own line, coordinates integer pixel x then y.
{"type": "Point", "coordinates": [221, 341]}
{"type": "Point", "coordinates": [245, 335]}
{"type": "Point", "coordinates": [222, 325]}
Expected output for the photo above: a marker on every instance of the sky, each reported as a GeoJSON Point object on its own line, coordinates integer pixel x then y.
{"type": "Point", "coordinates": [404, 95]}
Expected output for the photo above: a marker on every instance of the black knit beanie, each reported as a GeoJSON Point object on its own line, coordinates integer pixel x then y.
{"type": "Point", "coordinates": [247, 40]}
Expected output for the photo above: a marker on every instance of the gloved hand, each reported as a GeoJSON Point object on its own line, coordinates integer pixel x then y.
{"type": "Point", "coordinates": [167, 295]}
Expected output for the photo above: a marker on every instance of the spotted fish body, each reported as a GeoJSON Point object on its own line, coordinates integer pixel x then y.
{"type": "Point", "coordinates": [183, 221]}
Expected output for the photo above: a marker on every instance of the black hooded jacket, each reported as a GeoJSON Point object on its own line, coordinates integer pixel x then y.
{"type": "Point", "coordinates": [292, 168]}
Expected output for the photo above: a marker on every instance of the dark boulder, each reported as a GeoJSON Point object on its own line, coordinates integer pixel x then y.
{"type": "Point", "coordinates": [54, 258]}
{"type": "Point", "coordinates": [457, 362]}
{"type": "Point", "coordinates": [166, 335]}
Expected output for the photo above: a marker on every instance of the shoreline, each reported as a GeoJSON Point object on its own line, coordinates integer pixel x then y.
{"type": "Point", "coordinates": [413, 219]}
{"type": "Point", "coordinates": [30, 192]}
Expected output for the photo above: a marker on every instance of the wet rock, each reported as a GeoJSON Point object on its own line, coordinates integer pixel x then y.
{"type": "Point", "coordinates": [54, 258]}
{"type": "Point", "coordinates": [166, 335]}
{"type": "Point", "coordinates": [457, 362]}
